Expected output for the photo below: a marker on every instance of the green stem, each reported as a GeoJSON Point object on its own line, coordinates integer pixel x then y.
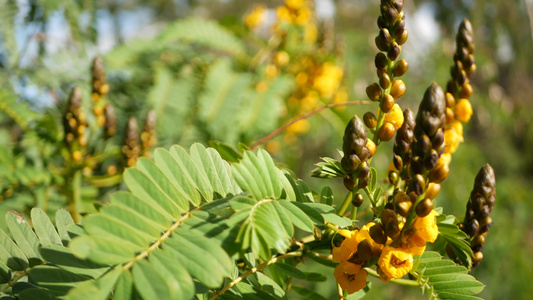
{"type": "Point", "coordinates": [353, 213]}
{"type": "Point", "coordinates": [345, 204]}
{"type": "Point", "coordinates": [256, 269]}
{"type": "Point", "coordinates": [405, 282]}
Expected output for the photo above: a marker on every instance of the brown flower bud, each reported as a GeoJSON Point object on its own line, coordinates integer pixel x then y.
{"type": "Point", "coordinates": [349, 182]}
{"type": "Point", "coordinates": [373, 92]}
{"type": "Point", "coordinates": [377, 234]}
{"type": "Point", "coordinates": [381, 61]}
{"type": "Point", "coordinates": [386, 132]}
{"type": "Point", "coordinates": [397, 89]}
{"type": "Point", "coordinates": [386, 103]}
{"type": "Point", "coordinates": [424, 207]}
{"type": "Point", "coordinates": [433, 190]}
{"type": "Point", "coordinates": [370, 120]}
{"type": "Point", "coordinates": [401, 39]}
{"type": "Point", "coordinates": [384, 81]}
{"type": "Point", "coordinates": [394, 51]}
{"type": "Point", "coordinates": [384, 35]}
{"type": "Point", "coordinates": [400, 68]}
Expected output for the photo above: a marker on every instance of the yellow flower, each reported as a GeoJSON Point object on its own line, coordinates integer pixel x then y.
{"type": "Point", "coordinates": [281, 58]}
{"type": "Point", "coordinates": [351, 277]}
{"type": "Point", "coordinates": [463, 110]}
{"type": "Point", "coordinates": [310, 33]}
{"type": "Point", "coordinates": [347, 247]}
{"type": "Point", "coordinates": [395, 116]}
{"type": "Point", "coordinates": [416, 244]}
{"type": "Point", "coordinates": [301, 126]}
{"type": "Point", "coordinates": [426, 227]}
{"type": "Point", "coordinates": [302, 16]}
{"type": "Point", "coordinates": [395, 262]}
{"type": "Point", "coordinates": [446, 158]}
{"type": "Point", "coordinates": [271, 71]}
{"type": "Point", "coordinates": [453, 136]}
{"type": "Point", "coordinates": [294, 4]}
{"type": "Point", "coordinates": [328, 80]}
{"type": "Point", "coordinates": [283, 14]}
{"type": "Point", "coordinates": [256, 17]}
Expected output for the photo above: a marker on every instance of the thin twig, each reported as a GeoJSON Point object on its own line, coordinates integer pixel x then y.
{"type": "Point", "coordinates": [304, 116]}
{"type": "Point", "coordinates": [255, 269]}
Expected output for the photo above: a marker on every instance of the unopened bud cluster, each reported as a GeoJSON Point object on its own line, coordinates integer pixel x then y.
{"type": "Point", "coordinates": [477, 221]}
{"type": "Point", "coordinates": [148, 137]}
{"type": "Point", "coordinates": [135, 147]}
{"type": "Point", "coordinates": [75, 126]}
{"type": "Point", "coordinates": [103, 111]}
{"type": "Point", "coordinates": [357, 150]}
{"type": "Point", "coordinates": [388, 89]}
{"type": "Point", "coordinates": [459, 90]}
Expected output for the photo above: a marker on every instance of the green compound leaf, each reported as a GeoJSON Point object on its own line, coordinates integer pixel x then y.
{"type": "Point", "coordinates": [457, 240]}
{"type": "Point", "coordinates": [445, 280]}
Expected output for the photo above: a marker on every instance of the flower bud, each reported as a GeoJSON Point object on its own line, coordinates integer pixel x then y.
{"type": "Point", "coordinates": [373, 92]}
{"type": "Point", "coordinates": [384, 81]}
{"type": "Point", "coordinates": [397, 89]}
{"type": "Point", "coordinates": [433, 190]}
{"type": "Point", "coordinates": [387, 103]}
{"type": "Point", "coordinates": [377, 234]}
{"type": "Point", "coordinates": [424, 207]}
{"type": "Point", "coordinates": [385, 37]}
{"type": "Point", "coordinates": [381, 61]}
{"type": "Point", "coordinates": [394, 51]}
{"type": "Point", "coordinates": [401, 39]}
{"type": "Point", "coordinates": [386, 132]}
{"type": "Point", "coordinates": [463, 110]}
{"type": "Point", "coordinates": [439, 173]}
{"type": "Point", "coordinates": [370, 120]}
{"type": "Point", "coordinates": [400, 68]}
{"type": "Point", "coordinates": [349, 182]}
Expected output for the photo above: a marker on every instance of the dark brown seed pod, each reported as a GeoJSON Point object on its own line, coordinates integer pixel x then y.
{"type": "Point", "coordinates": [373, 92]}
{"type": "Point", "coordinates": [370, 120]}
{"type": "Point", "coordinates": [400, 68]}
{"type": "Point", "coordinates": [424, 207]}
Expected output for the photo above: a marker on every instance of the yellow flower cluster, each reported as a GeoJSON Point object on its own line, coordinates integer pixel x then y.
{"type": "Point", "coordinates": [256, 17]}
{"type": "Point", "coordinates": [317, 77]}
{"type": "Point", "coordinates": [294, 12]}
{"type": "Point", "coordinates": [360, 250]}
